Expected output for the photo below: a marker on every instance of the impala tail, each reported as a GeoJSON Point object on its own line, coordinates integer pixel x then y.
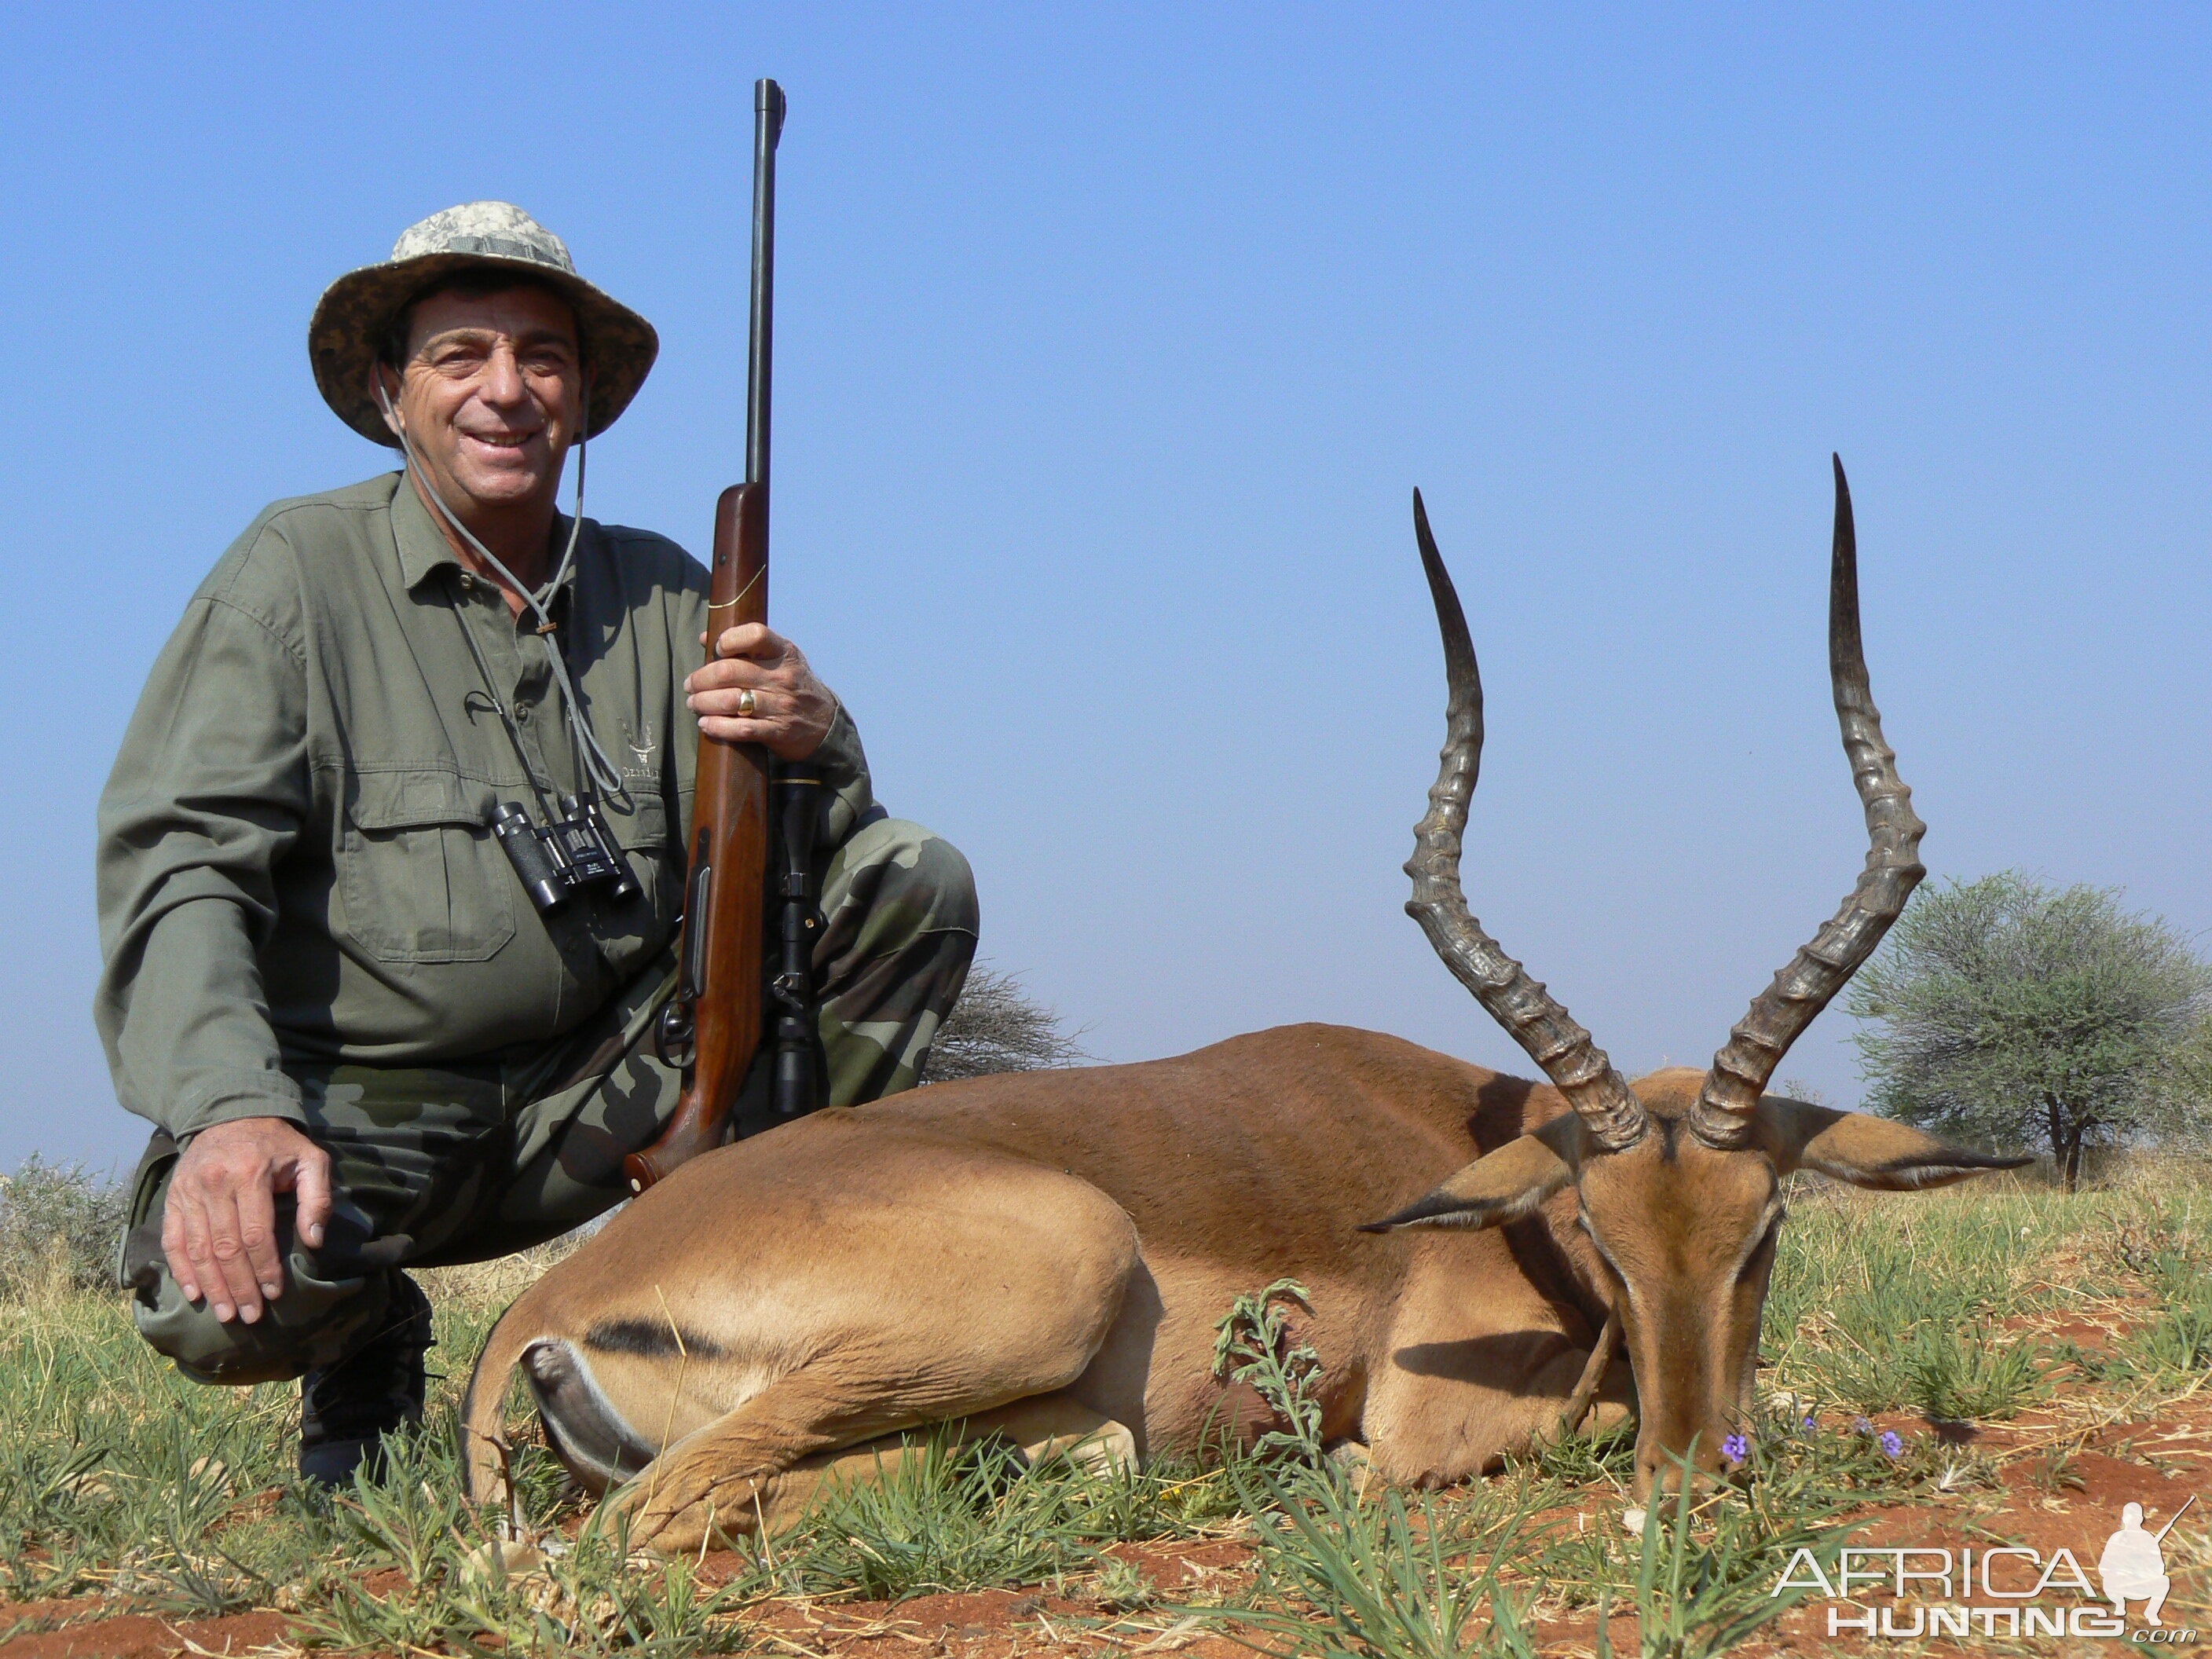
{"type": "Point", "coordinates": [484, 1449]}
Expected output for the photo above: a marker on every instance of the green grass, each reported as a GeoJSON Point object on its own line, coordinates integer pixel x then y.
{"type": "Point", "coordinates": [2175, 1346]}
{"type": "Point", "coordinates": [980, 1517]}
{"type": "Point", "coordinates": [456, 1591]}
{"type": "Point", "coordinates": [1399, 1578]}
{"type": "Point", "coordinates": [1887, 1303]}
{"type": "Point", "coordinates": [1874, 1300]}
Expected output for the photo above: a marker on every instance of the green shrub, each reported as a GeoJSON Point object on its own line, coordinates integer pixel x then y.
{"type": "Point", "coordinates": [59, 1224]}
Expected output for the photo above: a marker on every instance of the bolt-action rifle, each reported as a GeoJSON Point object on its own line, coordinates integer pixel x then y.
{"type": "Point", "coordinates": [712, 1026]}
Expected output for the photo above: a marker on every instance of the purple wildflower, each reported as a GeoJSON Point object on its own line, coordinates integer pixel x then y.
{"type": "Point", "coordinates": [1892, 1443]}
{"type": "Point", "coordinates": [1809, 1424]}
{"type": "Point", "coordinates": [1735, 1447]}
{"type": "Point", "coordinates": [1862, 1426]}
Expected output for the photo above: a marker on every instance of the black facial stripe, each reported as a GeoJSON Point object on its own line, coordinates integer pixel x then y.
{"type": "Point", "coordinates": [649, 1339]}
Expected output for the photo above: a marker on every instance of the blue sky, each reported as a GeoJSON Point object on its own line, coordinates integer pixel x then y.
{"type": "Point", "coordinates": [1112, 340]}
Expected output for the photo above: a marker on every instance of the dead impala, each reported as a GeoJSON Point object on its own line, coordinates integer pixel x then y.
{"type": "Point", "coordinates": [1046, 1254]}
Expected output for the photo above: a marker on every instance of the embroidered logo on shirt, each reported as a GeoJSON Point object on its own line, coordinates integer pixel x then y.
{"type": "Point", "coordinates": [640, 741]}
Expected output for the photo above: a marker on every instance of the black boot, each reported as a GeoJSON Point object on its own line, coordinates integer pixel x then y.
{"type": "Point", "coordinates": [347, 1409]}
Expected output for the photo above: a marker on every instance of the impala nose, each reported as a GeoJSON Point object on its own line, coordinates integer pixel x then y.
{"type": "Point", "coordinates": [1660, 1472]}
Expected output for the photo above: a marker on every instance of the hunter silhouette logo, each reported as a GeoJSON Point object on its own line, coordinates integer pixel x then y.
{"type": "Point", "coordinates": [2133, 1564]}
{"type": "Point", "coordinates": [2009, 1590]}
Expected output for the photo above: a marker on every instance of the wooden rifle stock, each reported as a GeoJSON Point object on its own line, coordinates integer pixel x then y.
{"type": "Point", "coordinates": [719, 989]}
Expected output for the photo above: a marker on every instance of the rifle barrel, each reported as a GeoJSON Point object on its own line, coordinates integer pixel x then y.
{"type": "Point", "coordinates": [768, 127]}
{"type": "Point", "coordinates": [2177, 1514]}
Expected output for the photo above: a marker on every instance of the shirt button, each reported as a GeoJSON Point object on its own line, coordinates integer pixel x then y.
{"type": "Point", "coordinates": [522, 713]}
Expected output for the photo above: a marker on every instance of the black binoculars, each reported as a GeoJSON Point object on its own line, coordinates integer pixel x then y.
{"type": "Point", "coordinates": [561, 860]}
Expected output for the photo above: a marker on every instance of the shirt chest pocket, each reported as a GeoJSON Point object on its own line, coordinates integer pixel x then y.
{"type": "Point", "coordinates": [640, 827]}
{"type": "Point", "coordinates": [628, 934]}
{"type": "Point", "coordinates": [424, 878]}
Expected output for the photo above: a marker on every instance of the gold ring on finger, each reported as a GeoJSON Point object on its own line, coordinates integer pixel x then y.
{"type": "Point", "coordinates": [747, 707]}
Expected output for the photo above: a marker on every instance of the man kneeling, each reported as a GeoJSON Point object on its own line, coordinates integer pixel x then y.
{"type": "Point", "coordinates": [365, 1047]}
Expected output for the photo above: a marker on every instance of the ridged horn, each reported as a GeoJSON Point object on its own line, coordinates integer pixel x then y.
{"type": "Point", "coordinates": [1721, 1116]}
{"type": "Point", "coordinates": [1575, 1066]}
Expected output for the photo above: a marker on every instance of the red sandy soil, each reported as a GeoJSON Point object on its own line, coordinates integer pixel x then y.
{"type": "Point", "coordinates": [136, 1635]}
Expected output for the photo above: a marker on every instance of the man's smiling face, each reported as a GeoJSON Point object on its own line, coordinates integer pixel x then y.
{"type": "Point", "coordinates": [492, 395]}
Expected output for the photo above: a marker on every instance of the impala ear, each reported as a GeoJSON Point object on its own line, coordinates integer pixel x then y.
{"type": "Point", "coordinates": [1498, 1188]}
{"type": "Point", "coordinates": [1867, 1151]}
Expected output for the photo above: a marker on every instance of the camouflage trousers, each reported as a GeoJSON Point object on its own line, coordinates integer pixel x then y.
{"type": "Point", "coordinates": [435, 1165]}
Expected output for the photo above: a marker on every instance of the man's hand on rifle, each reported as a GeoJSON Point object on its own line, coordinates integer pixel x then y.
{"type": "Point", "coordinates": [759, 689]}
{"type": "Point", "coordinates": [219, 1229]}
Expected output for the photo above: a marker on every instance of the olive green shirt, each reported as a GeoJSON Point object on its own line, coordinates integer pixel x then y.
{"type": "Point", "coordinates": [296, 863]}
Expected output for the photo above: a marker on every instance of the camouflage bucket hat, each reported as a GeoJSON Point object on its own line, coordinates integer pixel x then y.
{"type": "Point", "coordinates": [350, 321]}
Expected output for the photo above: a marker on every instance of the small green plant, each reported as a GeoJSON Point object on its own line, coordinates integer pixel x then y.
{"type": "Point", "coordinates": [1827, 1462]}
{"type": "Point", "coordinates": [589, 1599]}
{"type": "Point", "coordinates": [1582, 1460]}
{"type": "Point", "coordinates": [1339, 1579]}
{"type": "Point", "coordinates": [1123, 1587]}
{"type": "Point", "coordinates": [2055, 1469]}
{"type": "Point", "coordinates": [1253, 1345]}
{"type": "Point", "coordinates": [1956, 1375]}
{"type": "Point", "coordinates": [2176, 1345]}
{"type": "Point", "coordinates": [2091, 1365]}
{"type": "Point", "coordinates": [1705, 1571]}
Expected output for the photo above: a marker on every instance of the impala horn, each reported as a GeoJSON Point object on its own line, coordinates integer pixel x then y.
{"type": "Point", "coordinates": [1577, 1066]}
{"type": "Point", "coordinates": [1722, 1114]}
